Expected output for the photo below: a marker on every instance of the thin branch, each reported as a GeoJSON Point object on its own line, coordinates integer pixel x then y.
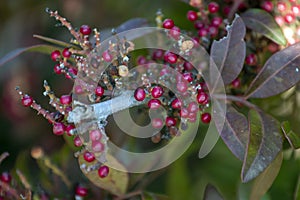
{"type": "Point", "coordinates": [241, 100]}
{"type": "Point", "coordinates": [3, 156]}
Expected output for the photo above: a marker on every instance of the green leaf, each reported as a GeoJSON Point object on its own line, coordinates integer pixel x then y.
{"type": "Point", "coordinates": [41, 48]}
{"type": "Point", "coordinates": [116, 182]}
{"type": "Point", "coordinates": [297, 189]}
{"type": "Point", "coordinates": [262, 22]}
{"type": "Point", "coordinates": [264, 181]}
{"type": "Point", "coordinates": [290, 135]}
{"type": "Point", "coordinates": [212, 193]}
{"type": "Point", "coordinates": [280, 72]}
{"type": "Point", "coordinates": [54, 41]}
{"type": "Point", "coordinates": [229, 53]}
{"type": "Point", "coordinates": [264, 144]}
{"type": "Point", "coordinates": [153, 196]}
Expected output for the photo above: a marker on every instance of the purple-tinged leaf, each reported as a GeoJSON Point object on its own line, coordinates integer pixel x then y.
{"type": "Point", "coordinates": [54, 41]}
{"type": "Point", "coordinates": [264, 144]}
{"type": "Point", "coordinates": [262, 22]}
{"type": "Point", "coordinates": [211, 193]}
{"type": "Point", "coordinates": [264, 181]}
{"type": "Point", "coordinates": [280, 72]}
{"type": "Point", "coordinates": [235, 132]}
{"type": "Point", "coordinates": [41, 48]}
{"type": "Point", "coordinates": [290, 135]}
{"type": "Point", "coordinates": [229, 53]}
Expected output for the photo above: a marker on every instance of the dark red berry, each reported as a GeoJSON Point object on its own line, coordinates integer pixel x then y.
{"type": "Point", "coordinates": [199, 25]}
{"type": "Point", "coordinates": [226, 10]}
{"type": "Point", "coordinates": [216, 21]}
{"type": "Point", "coordinates": [57, 69]}
{"type": "Point", "coordinates": [176, 104]}
{"type": "Point", "coordinates": [106, 56]}
{"type": "Point", "coordinates": [154, 103]}
{"type": "Point", "coordinates": [88, 156]}
{"type": "Point", "coordinates": [267, 6]}
{"type": "Point", "coordinates": [168, 23]}
{"type": "Point", "coordinates": [202, 32]}
{"type": "Point", "coordinates": [77, 141]}
{"type": "Point", "coordinates": [188, 76]}
{"type": "Point", "coordinates": [66, 53]}
{"type": "Point", "coordinates": [205, 118]}
{"type": "Point", "coordinates": [170, 121]}
{"type": "Point", "coordinates": [99, 91]}
{"type": "Point", "coordinates": [5, 177]}
{"type": "Point", "coordinates": [71, 73]}
{"type": "Point", "coordinates": [58, 128]}
{"type": "Point", "coordinates": [170, 57]}
{"type": "Point", "coordinates": [69, 129]}
{"type": "Point", "coordinates": [213, 7]}
{"type": "Point", "coordinates": [27, 101]}
{"type": "Point", "coordinates": [236, 83]}
{"type": "Point", "coordinates": [85, 30]}
{"type": "Point", "coordinates": [103, 171]}
{"type": "Point", "coordinates": [193, 107]}
{"type": "Point", "coordinates": [202, 98]}
{"type": "Point", "coordinates": [251, 59]}
{"type": "Point", "coordinates": [192, 15]}
{"type": "Point", "coordinates": [65, 99]}
{"type": "Point", "coordinates": [139, 94]}
{"type": "Point", "coordinates": [81, 191]}
{"type": "Point", "coordinates": [55, 55]}
{"type": "Point", "coordinates": [157, 123]}
{"type": "Point", "coordinates": [188, 66]}
{"type": "Point", "coordinates": [157, 91]}
{"type": "Point", "coordinates": [157, 54]}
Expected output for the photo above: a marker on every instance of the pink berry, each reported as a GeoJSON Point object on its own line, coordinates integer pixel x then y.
{"type": "Point", "coordinates": [213, 31]}
{"type": "Point", "coordinates": [85, 30]}
{"type": "Point", "coordinates": [175, 32]}
{"type": "Point", "coordinates": [88, 156]}
{"type": "Point", "coordinates": [99, 91]}
{"type": "Point", "coordinates": [213, 7]}
{"type": "Point", "coordinates": [106, 56]}
{"type": "Point", "coordinates": [55, 55]}
{"type": "Point", "coordinates": [205, 118]}
{"type": "Point", "coordinates": [5, 177]}
{"type": "Point", "coordinates": [57, 69]}
{"type": "Point", "coordinates": [193, 107]}
{"type": "Point", "coordinates": [199, 25]}
{"type": "Point", "coordinates": [95, 135]}
{"type": "Point", "coordinates": [267, 6]}
{"type": "Point", "coordinates": [176, 104]}
{"type": "Point", "coordinates": [103, 171]}
{"type": "Point", "coordinates": [202, 98]}
{"type": "Point", "coordinates": [65, 99]}
{"type": "Point", "coordinates": [157, 54]}
{"type": "Point", "coordinates": [216, 21]}
{"type": "Point", "coordinates": [69, 129]}
{"type": "Point", "coordinates": [66, 53]}
{"type": "Point", "coordinates": [192, 117]}
{"type": "Point", "coordinates": [139, 94]}
{"type": "Point", "coordinates": [296, 10]}
{"type": "Point", "coordinates": [78, 89]}
{"type": "Point", "coordinates": [157, 91]}
{"type": "Point", "coordinates": [168, 23]}
{"type": "Point", "coordinates": [251, 59]}
{"type": "Point", "coordinates": [157, 123]}
{"type": "Point", "coordinates": [184, 113]}
{"type": "Point", "coordinates": [289, 18]}
{"type": "Point", "coordinates": [77, 141]}
{"type": "Point", "coordinates": [141, 60]}
{"type": "Point", "coordinates": [281, 6]}
{"type": "Point", "coordinates": [81, 191]}
{"type": "Point", "coordinates": [154, 103]}
{"type": "Point", "coordinates": [236, 83]}
{"type": "Point", "coordinates": [58, 128]}
{"type": "Point", "coordinates": [279, 20]}
{"type": "Point", "coordinates": [170, 57]}
{"type": "Point", "coordinates": [97, 146]}
{"type": "Point", "coordinates": [192, 15]}
{"type": "Point", "coordinates": [27, 101]}
{"type": "Point", "coordinates": [181, 86]}
{"type": "Point", "coordinates": [170, 121]}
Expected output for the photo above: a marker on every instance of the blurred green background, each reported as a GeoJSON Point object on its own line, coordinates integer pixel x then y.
{"type": "Point", "coordinates": [21, 128]}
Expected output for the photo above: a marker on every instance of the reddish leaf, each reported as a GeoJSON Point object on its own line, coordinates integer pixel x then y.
{"type": "Point", "coordinates": [264, 144]}
{"type": "Point", "coordinates": [262, 22]}
{"type": "Point", "coordinates": [229, 53]}
{"type": "Point", "coordinates": [279, 73]}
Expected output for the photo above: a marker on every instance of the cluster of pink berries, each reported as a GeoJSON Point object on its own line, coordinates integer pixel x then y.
{"type": "Point", "coordinates": [287, 13]}
{"type": "Point", "coordinates": [6, 178]}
